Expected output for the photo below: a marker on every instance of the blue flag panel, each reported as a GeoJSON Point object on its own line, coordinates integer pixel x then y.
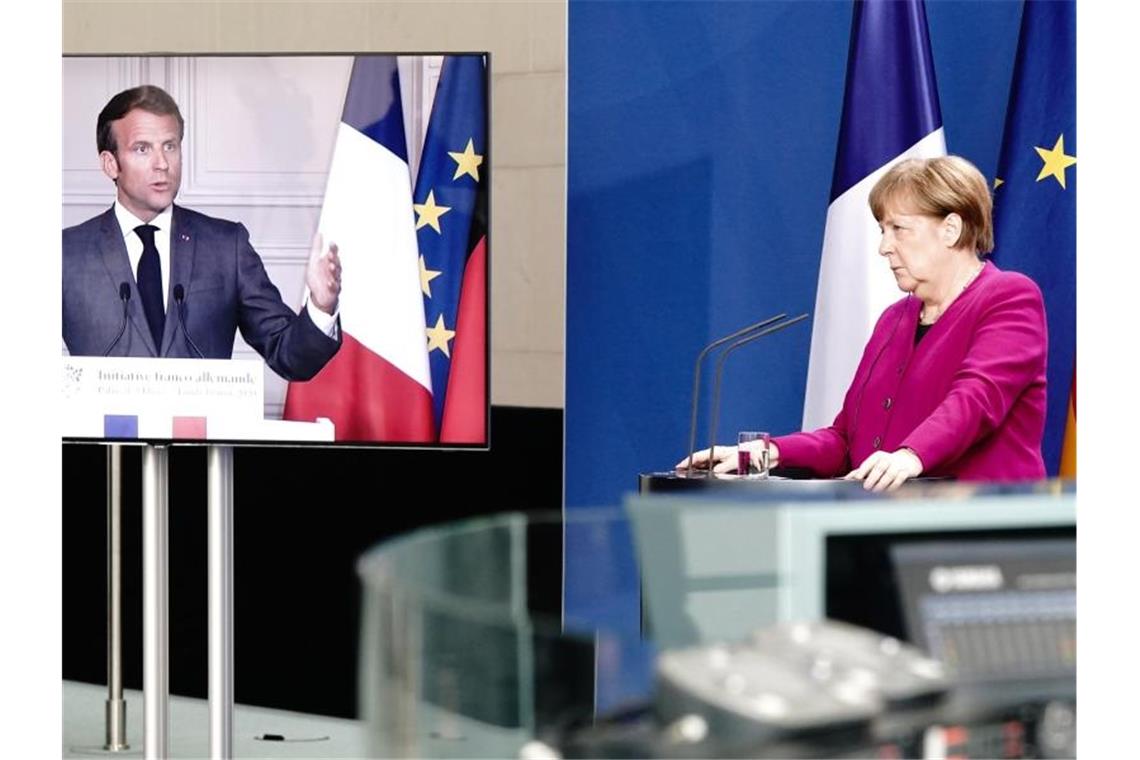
{"type": "Point", "coordinates": [891, 100]}
{"type": "Point", "coordinates": [372, 104]}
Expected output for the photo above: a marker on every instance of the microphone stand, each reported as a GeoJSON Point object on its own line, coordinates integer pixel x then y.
{"type": "Point", "coordinates": [125, 298]}
{"type": "Point", "coordinates": [697, 379]}
{"type": "Point", "coordinates": [715, 409]}
{"type": "Point", "coordinates": [180, 309]}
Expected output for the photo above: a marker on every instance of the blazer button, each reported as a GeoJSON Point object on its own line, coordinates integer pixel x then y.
{"type": "Point", "coordinates": [887, 402]}
{"type": "Point", "coordinates": [877, 442]}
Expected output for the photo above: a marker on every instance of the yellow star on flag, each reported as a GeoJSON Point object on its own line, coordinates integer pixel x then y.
{"type": "Point", "coordinates": [468, 161]}
{"type": "Point", "coordinates": [438, 337]}
{"type": "Point", "coordinates": [429, 213]}
{"type": "Point", "coordinates": [1055, 161]}
{"type": "Point", "coordinates": [998, 182]}
{"type": "Point", "coordinates": [426, 276]}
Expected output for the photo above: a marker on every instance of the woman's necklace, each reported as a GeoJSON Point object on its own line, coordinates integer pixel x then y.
{"type": "Point", "coordinates": [929, 319]}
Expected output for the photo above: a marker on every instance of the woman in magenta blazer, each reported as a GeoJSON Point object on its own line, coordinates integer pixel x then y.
{"type": "Point", "coordinates": [952, 381]}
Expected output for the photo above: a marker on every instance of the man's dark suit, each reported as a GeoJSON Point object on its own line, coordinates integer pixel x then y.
{"type": "Point", "coordinates": [226, 289]}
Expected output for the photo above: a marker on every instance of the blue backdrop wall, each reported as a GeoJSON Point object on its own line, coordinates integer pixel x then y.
{"type": "Point", "coordinates": [702, 142]}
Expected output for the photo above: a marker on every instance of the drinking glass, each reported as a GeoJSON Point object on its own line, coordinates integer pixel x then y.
{"type": "Point", "coordinates": [752, 461]}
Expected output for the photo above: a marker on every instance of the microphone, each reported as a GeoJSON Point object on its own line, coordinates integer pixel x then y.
{"type": "Point", "coordinates": [714, 412]}
{"type": "Point", "coordinates": [125, 297]}
{"type": "Point", "coordinates": [697, 378]}
{"type": "Point", "coordinates": [180, 301]}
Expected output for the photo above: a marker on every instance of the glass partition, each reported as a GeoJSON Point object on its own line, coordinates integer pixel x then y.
{"type": "Point", "coordinates": [463, 651]}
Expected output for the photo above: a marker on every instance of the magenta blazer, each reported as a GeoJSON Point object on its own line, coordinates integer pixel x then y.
{"type": "Point", "coordinates": [969, 399]}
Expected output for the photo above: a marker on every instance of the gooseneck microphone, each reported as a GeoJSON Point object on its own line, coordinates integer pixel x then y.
{"type": "Point", "coordinates": [697, 378]}
{"type": "Point", "coordinates": [180, 303]}
{"type": "Point", "coordinates": [715, 410]}
{"type": "Point", "coordinates": [125, 297]}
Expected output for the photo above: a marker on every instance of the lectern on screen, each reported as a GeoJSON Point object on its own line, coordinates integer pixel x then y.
{"type": "Point", "coordinates": [277, 249]}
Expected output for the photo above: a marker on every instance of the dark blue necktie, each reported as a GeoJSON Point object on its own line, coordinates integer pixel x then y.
{"type": "Point", "coordinates": [150, 284]}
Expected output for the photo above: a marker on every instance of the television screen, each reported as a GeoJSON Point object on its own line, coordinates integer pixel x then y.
{"type": "Point", "coordinates": [277, 249]}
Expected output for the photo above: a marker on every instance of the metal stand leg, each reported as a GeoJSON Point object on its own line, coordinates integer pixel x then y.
{"type": "Point", "coordinates": [156, 634]}
{"type": "Point", "coordinates": [116, 708]}
{"type": "Point", "coordinates": [220, 505]}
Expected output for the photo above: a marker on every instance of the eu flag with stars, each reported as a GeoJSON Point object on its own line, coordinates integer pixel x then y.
{"type": "Point", "coordinates": [451, 228]}
{"type": "Point", "coordinates": [1035, 194]}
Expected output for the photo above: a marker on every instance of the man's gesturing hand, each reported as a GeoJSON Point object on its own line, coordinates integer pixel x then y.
{"type": "Point", "coordinates": [323, 275]}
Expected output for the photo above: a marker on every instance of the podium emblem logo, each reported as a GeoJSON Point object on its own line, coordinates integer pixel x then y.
{"type": "Point", "coordinates": [72, 377]}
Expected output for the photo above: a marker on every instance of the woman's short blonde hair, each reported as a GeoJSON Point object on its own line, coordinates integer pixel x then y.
{"type": "Point", "coordinates": [939, 187]}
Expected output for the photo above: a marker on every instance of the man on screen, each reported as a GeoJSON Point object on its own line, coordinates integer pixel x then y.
{"type": "Point", "coordinates": [148, 278]}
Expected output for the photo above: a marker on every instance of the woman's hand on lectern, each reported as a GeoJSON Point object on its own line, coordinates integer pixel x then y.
{"type": "Point", "coordinates": [883, 471]}
{"type": "Point", "coordinates": [724, 458]}
{"type": "Point", "coordinates": [721, 455]}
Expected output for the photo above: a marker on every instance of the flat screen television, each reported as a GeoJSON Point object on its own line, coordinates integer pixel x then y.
{"type": "Point", "coordinates": [277, 249]}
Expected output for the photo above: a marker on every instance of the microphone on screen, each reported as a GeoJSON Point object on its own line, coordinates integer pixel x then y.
{"type": "Point", "coordinates": [180, 304]}
{"type": "Point", "coordinates": [125, 297]}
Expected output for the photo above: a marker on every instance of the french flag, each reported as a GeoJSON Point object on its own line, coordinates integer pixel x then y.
{"type": "Point", "coordinates": [890, 113]}
{"type": "Point", "coordinates": [378, 385]}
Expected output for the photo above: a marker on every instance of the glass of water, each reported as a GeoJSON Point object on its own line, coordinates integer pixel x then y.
{"type": "Point", "coordinates": [752, 454]}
